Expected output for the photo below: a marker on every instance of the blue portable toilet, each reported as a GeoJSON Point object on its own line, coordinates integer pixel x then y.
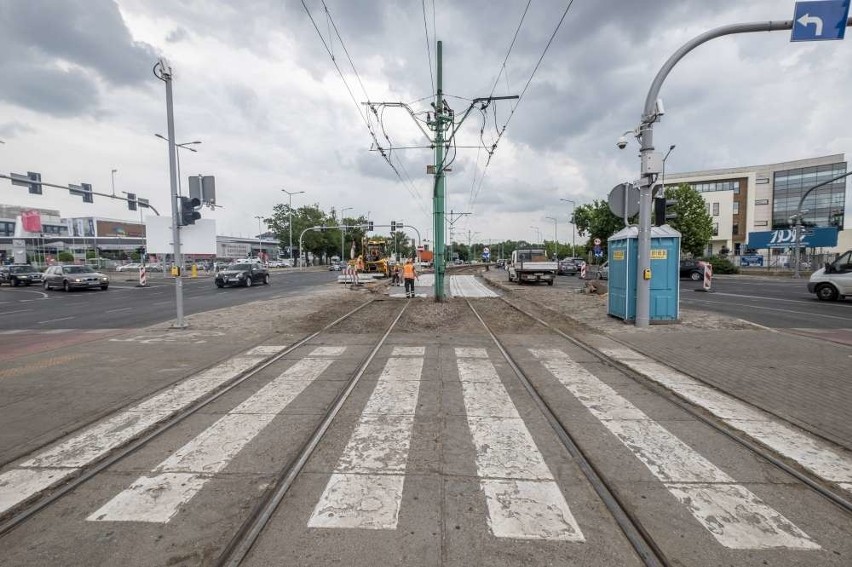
{"type": "Point", "coordinates": [665, 277]}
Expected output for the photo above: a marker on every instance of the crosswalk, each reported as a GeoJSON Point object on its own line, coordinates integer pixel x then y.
{"type": "Point", "coordinates": [365, 488]}
{"type": "Point", "coordinates": [457, 286]}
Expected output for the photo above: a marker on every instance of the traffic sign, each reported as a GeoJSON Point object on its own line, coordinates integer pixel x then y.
{"type": "Point", "coordinates": [624, 200]}
{"type": "Point", "coordinates": [819, 21]}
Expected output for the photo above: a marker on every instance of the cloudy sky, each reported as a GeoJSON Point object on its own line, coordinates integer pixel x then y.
{"type": "Point", "coordinates": [256, 84]}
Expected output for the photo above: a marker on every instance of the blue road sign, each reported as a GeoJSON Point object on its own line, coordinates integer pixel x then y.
{"type": "Point", "coordinates": [820, 21]}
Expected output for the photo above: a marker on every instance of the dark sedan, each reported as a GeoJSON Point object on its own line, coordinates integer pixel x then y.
{"type": "Point", "coordinates": [19, 274]}
{"type": "Point", "coordinates": [74, 277]}
{"type": "Point", "coordinates": [692, 269]}
{"type": "Point", "coordinates": [244, 274]}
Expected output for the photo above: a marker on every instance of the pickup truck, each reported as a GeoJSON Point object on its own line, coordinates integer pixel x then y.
{"type": "Point", "coordinates": [532, 265]}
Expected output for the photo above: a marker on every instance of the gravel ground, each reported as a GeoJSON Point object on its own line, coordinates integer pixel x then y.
{"type": "Point", "coordinates": [319, 307]}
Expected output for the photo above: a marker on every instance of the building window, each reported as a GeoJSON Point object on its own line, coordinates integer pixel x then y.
{"type": "Point", "coordinates": [715, 229]}
{"type": "Point", "coordinates": [761, 223]}
{"type": "Point", "coordinates": [762, 202]}
{"type": "Point", "coordinates": [736, 208]}
{"type": "Point", "coordinates": [792, 184]}
{"type": "Point", "coordinates": [735, 229]}
{"type": "Point", "coordinates": [715, 209]}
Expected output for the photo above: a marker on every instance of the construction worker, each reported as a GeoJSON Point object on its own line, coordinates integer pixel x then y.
{"type": "Point", "coordinates": [409, 274]}
{"type": "Point", "coordinates": [395, 275]}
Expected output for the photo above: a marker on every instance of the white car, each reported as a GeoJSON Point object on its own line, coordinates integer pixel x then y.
{"type": "Point", "coordinates": [128, 267]}
{"type": "Point", "coordinates": [834, 281]}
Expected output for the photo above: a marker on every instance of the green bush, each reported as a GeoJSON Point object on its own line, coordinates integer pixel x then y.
{"type": "Point", "coordinates": [65, 257]}
{"type": "Point", "coordinates": [722, 265]}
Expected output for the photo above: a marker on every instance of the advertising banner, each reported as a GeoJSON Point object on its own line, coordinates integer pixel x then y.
{"type": "Point", "coordinates": [809, 237]}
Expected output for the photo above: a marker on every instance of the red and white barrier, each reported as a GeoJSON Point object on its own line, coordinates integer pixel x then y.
{"type": "Point", "coordinates": [351, 274]}
{"type": "Point", "coordinates": [143, 278]}
{"type": "Point", "coordinates": [708, 276]}
{"type": "Point", "coordinates": [583, 272]}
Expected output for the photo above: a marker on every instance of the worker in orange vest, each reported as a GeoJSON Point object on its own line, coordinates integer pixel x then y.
{"type": "Point", "coordinates": [409, 274]}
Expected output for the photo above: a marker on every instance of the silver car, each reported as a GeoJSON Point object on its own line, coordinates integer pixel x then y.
{"type": "Point", "coordinates": [74, 277]}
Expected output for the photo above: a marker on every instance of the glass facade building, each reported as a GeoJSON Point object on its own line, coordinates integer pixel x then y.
{"type": "Point", "coordinates": [824, 206]}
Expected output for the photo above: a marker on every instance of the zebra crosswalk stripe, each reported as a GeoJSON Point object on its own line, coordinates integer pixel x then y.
{"type": "Point", "coordinates": [181, 476]}
{"type": "Point", "coordinates": [522, 498]}
{"type": "Point", "coordinates": [736, 517]}
{"type": "Point", "coordinates": [372, 466]}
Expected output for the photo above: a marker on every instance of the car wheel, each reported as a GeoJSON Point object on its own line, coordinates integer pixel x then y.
{"type": "Point", "coordinates": [696, 276]}
{"type": "Point", "coordinates": [104, 287]}
{"type": "Point", "coordinates": [266, 279]}
{"type": "Point", "coordinates": [15, 282]}
{"type": "Point", "coordinates": [220, 284]}
{"type": "Point", "coordinates": [826, 292]}
{"type": "Point", "coordinates": [66, 286]}
{"type": "Point", "coordinates": [46, 286]}
{"type": "Point", "coordinates": [248, 282]}
{"type": "Point", "coordinates": [549, 282]}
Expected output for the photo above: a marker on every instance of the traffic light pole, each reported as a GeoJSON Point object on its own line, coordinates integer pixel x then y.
{"type": "Point", "coordinates": [165, 75]}
{"type": "Point", "coordinates": [651, 114]}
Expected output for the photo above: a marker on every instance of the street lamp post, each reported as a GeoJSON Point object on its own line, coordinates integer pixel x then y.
{"type": "Point", "coordinates": [113, 181]}
{"type": "Point", "coordinates": [259, 234]}
{"type": "Point", "coordinates": [662, 191]}
{"type": "Point", "coordinates": [290, 221]}
{"type": "Point", "coordinates": [555, 238]}
{"type": "Point", "coordinates": [178, 147]}
{"type": "Point", "coordinates": [343, 233]}
{"type": "Point", "coordinates": [573, 227]}
{"type": "Point", "coordinates": [538, 232]}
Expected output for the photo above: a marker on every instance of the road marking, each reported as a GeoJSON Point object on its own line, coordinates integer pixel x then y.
{"type": "Point", "coordinates": [33, 475]}
{"type": "Point", "coordinates": [54, 320]}
{"type": "Point", "coordinates": [181, 476]}
{"type": "Point", "coordinates": [469, 286]}
{"type": "Point", "coordinates": [365, 488]}
{"type": "Point", "coordinates": [786, 311]}
{"type": "Point", "coordinates": [18, 311]}
{"type": "Point", "coordinates": [736, 517]}
{"type": "Point", "coordinates": [819, 457]}
{"type": "Point", "coordinates": [522, 499]}
{"type": "Point", "coordinates": [119, 310]}
{"type": "Point", "coordinates": [12, 331]}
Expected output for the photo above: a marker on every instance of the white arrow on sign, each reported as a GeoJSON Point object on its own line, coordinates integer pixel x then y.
{"type": "Point", "coordinates": [808, 19]}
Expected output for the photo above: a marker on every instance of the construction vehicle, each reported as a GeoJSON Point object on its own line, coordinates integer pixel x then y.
{"type": "Point", "coordinates": [374, 256]}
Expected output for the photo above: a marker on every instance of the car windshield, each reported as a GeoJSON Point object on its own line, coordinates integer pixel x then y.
{"type": "Point", "coordinates": [240, 267]}
{"type": "Point", "coordinates": [20, 269]}
{"type": "Point", "coordinates": [77, 270]}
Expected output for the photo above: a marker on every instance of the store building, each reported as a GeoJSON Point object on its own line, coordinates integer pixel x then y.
{"type": "Point", "coordinates": [754, 200]}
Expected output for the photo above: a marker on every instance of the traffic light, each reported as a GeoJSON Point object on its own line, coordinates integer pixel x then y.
{"type": "Point", "coordinates": [35, 188]}
{"type": "Point", "coordinates": [393, 227]}
{"type": "Point", "coordinates": [131, 201]}
{"type": "Point", "coordinates": [370, 226]}
{"type": "Point", "coordinates": [664, 211]}
{"type": "Point", "coordinates": [188, 214]}
{"type": "Point", "coordinates": [141, 250]}
{"type": "Point", "coordinates": [87, 193]}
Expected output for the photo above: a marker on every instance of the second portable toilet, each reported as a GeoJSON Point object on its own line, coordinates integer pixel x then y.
{"type": "Point", "coordinates": [665, 274]}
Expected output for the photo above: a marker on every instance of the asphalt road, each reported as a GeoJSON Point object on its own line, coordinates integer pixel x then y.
{"type": "Point", "coordinates": [127, 306]}
{"type": "Point", "coordinates": [775, 302]}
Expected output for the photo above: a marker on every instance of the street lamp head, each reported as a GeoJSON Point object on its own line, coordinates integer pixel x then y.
{"type": "Point", "coordinates": [671, 147]}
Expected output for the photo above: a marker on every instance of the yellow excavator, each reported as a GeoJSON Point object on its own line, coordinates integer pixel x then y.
{"type": "Point", "coordinates": [374, 257]}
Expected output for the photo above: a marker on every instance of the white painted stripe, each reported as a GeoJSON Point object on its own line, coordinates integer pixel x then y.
{"type": "Point", "coordinates": [15, 331]}
{"type": "Point", "coordinates": [158, 498]}
{"type": "Point", "coordinates": [521, 497]}
{"type": "Point", "coordinates": [151, 499]}
{"type": "Point", "coordinates": [265, 350]}
{"type": "Point", "coordinates": [366, 486]}
{"type": "Point", "coordinates": [328, 351]}
{"type": "Point", "coordinates": [469, 286]}
{"type": "Point", "coordinates": [408, 351]}
{"type": "Point", "coordinates": [54, 320]}
{"type": "Point", "coordinates": [462, 352]}
{"type": "Point", "coordinates": [112, 432]}
{"type": "Point", "coordinates": [823, 459]}
{"type": "Point", "coordinates": [845, 486]}
{"type": "Point", "coordinates": [516, 510]}
{"type": "Point", "coordinates": [54, 331]}
{"type": "Point", "coordinates": [734, 516]}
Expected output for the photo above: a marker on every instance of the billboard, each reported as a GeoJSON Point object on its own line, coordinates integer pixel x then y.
{"type": "Point", "coordinates": [120, 229]}
{"type": "Point", "coordinates": [198, 238]}
{"type": "Point", "coordinates": [784, 238]}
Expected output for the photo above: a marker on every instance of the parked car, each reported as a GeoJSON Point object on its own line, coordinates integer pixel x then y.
{"type": "Point", "coordinates": [335, 267]}
{"type": "Point", "coordinates": [68, 277]}
{"type": "Point", "coordinates": [19, 274]}
{"type": "Point", "coordinates": [603, 271]}
{"type": "Point", "coordinates": [834, 281]}
{"type": "Point", "coordinates": [128, 267]}
{"type": "Point", "coordinates": [153, 267]}
{"type": "Point", "coordinates": [568, 268]}
{"type": "Point", "coordinates": [242, 273]}
{"type": "Point", "coordinates": [692, 269]}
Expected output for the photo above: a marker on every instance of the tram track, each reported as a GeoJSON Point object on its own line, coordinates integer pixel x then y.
{"type": "Point", "coordinates": [25, 510]}
{"type": "Point", "coordinates": [639, 537]}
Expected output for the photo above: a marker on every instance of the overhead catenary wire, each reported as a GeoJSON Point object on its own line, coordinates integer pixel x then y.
{"type": "Point", "coordinates": [428, 49]}
{"type": "Point", "coordinates": [475, 195]}
{"type": "Point", "coordinates": [385, 153]}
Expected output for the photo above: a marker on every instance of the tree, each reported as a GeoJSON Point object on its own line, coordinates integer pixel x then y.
{"type": "Point", "coordinates": [597, 221]}
{"type": "Point", "coordinates": [65, 257]}
{"type": "Point", "coordinates": [693, 221]}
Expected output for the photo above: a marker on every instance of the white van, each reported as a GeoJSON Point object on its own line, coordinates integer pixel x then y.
{"type": "Point", "coordinates": [834, 281]}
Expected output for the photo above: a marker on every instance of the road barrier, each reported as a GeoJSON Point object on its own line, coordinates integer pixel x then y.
{"type": "Point", "coordinates": [583, 272]}
{"type": "Point", "coordinates": [143, 278]}
{"type": "Point", "coordinates": [708, 276]}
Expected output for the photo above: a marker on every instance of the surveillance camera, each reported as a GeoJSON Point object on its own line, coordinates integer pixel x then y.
{"type": "Point", "coordinates": [658, 106]}
{"type": "Point", "coordinates": [621, 143]}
